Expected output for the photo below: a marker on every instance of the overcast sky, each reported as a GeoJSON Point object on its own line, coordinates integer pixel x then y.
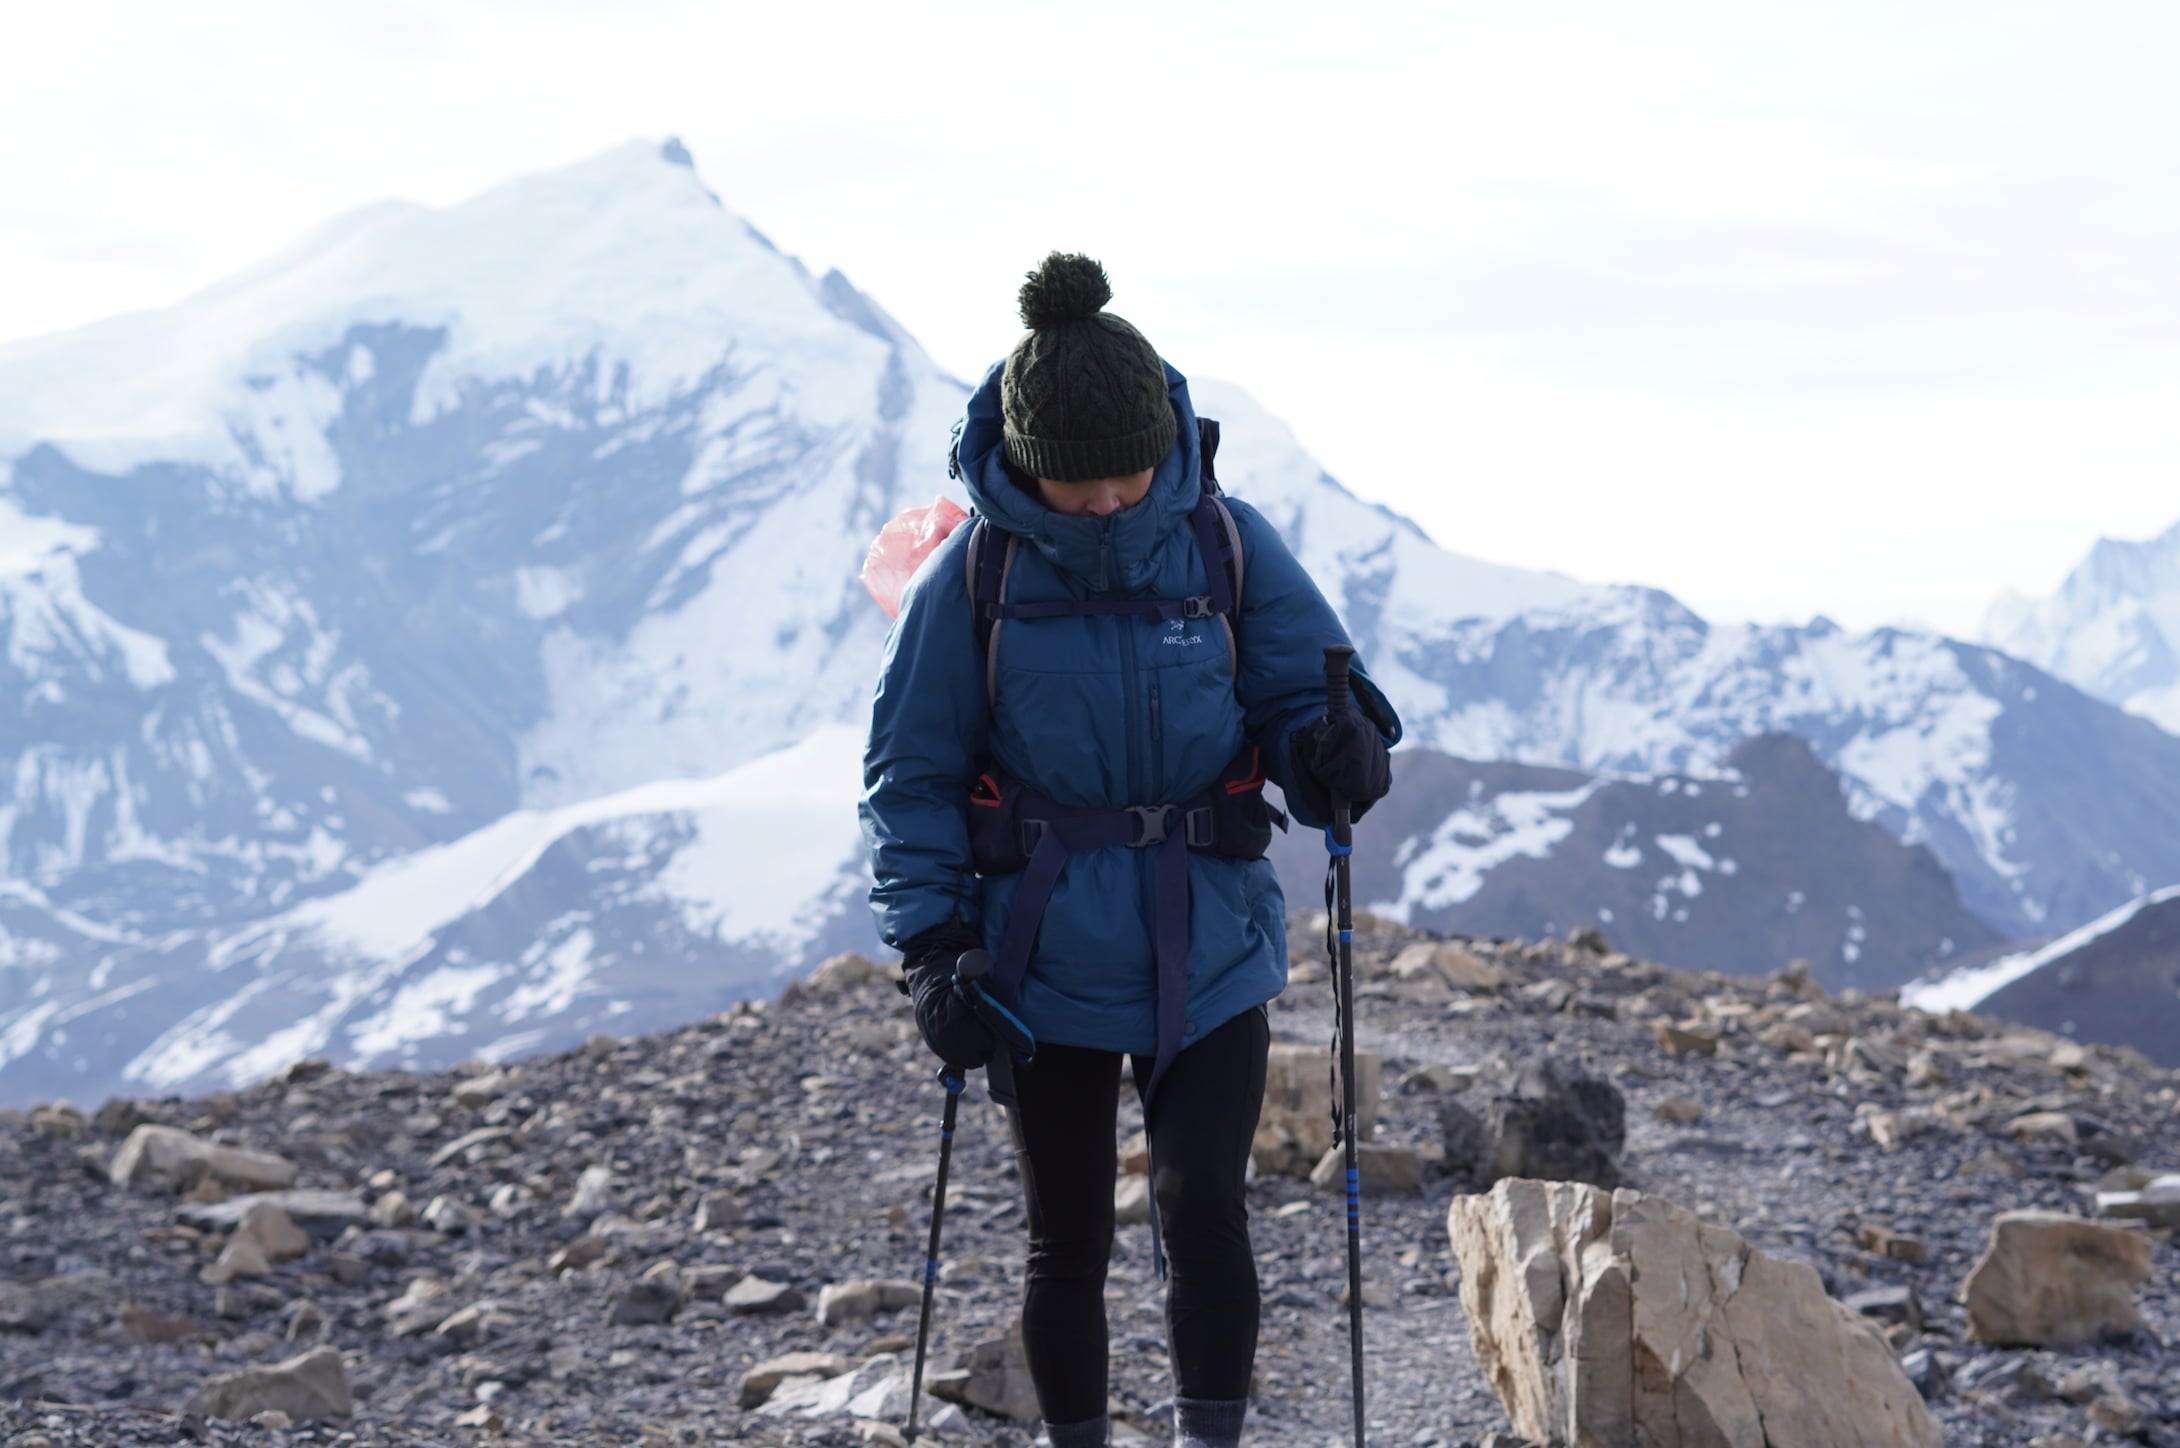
{"type": "Point", "coordinates": [1859, 309]}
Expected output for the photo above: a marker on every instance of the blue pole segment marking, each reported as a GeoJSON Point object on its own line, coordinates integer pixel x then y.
{"type": "Point", "coordinates": [1347, 937]}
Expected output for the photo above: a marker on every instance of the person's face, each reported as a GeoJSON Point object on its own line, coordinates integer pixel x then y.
{"type": "Point", "coordinates": [1096, 498]}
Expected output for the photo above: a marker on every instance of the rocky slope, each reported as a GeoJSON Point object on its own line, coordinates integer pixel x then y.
{"type": "Point", "coordinates": [559, 1250]}
{"type": "Point", "coordinates": [1742, 871]}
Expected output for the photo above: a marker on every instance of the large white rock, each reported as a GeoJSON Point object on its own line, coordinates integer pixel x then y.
{"type": "Point", "coordinates": [162, 1156]}
{"type": "Point", "coordinates": [2051, 1279]}
{"type": "Point", "coordinates": [1610, 1318]}
{"type": "Point", "coordinates": [994, 1376]}
{"type": "Point", "coordinates": [306, 1388]}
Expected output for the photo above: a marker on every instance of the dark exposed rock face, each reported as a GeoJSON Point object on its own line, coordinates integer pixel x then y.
{"type": "Point", "coordinates": [2122, 987]}
{"type": "Point", "coordinates": [1739, 874]}
{"type": "Point", "coordinates": [1554, 1125]}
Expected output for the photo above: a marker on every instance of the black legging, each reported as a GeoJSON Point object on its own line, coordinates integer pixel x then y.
{"type": "Point", "coordinates": [1200, 1129]}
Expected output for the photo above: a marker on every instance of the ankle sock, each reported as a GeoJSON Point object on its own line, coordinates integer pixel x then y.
{"type": "Point", "coordinates": [1208, 1423]}
{"type": "Point", "coordinates": [1089, 1433]}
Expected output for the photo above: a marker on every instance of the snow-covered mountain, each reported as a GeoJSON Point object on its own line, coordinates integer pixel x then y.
{"type": "Point", "coordinates": [451, 529]}
{"type": "Point", "coordinates": [1742, 871]}
{"type": "Point", "coordinates": [2112, 629]}
{"type": "Point", "coordinates": [624, 913]}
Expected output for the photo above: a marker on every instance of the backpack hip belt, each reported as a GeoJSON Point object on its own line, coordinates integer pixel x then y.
{"type": "Point", "coordinates": [1015, 830]}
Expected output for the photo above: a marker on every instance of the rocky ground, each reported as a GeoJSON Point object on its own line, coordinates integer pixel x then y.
{"type": "Point", "coordinates": [559, 1251]}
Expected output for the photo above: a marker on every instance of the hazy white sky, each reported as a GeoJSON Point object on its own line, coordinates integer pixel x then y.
{"type": "Point", "coordinates": [1861, 309]}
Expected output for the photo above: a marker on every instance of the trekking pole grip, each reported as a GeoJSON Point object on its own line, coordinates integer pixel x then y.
{"type": "Point", "coordinates": [1337, 657]}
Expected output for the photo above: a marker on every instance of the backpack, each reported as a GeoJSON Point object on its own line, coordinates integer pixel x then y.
{"type": "Point", "coordinates": [1217, 539]}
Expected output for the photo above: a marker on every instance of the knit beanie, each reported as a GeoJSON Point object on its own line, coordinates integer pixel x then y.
{"type": "Point", "coordinates": [1084, 394]}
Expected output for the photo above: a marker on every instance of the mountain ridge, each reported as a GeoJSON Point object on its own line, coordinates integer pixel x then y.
{"type": "Point", "coordinates": [423, 572]}
{"type": "Point", "coordinates": [2112, 628]}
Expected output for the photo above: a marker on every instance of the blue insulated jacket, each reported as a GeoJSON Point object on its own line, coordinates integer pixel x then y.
{"type": "Point", "coordinates": [1101, 712]}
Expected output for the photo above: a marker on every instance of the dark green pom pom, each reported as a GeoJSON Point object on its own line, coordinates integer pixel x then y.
{"type": "Point", "coordinates": [1067, 287]}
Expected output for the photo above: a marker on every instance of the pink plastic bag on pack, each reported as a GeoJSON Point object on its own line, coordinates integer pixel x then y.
{"type": "Point", "coordinates": [902, 546]}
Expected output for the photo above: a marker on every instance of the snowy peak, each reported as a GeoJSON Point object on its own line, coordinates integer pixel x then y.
{"type": "Point", "coordinates": [2112, 629]}
{"type": "Point", "coordinates": [623, 261]}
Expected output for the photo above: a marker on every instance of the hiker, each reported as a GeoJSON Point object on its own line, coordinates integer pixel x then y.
{"type": "Point", "coordinates": [1070, 776]}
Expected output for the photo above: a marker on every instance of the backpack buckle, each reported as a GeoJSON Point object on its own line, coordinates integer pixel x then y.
{"type": "Point", "coordinates": [1197, 607]}
{"type": "Point", "coordinates": [1032, 834]}
{"type": "Point", "coordinates": [1202, 827]}
{"type": "Point", "coordinates": [1150, 824]}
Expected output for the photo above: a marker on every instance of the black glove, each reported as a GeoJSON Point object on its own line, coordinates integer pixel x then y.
{"type": "Point", "coordinates": [1340, 754]}
{"type": "Point", "coordinates": [949, 1027]}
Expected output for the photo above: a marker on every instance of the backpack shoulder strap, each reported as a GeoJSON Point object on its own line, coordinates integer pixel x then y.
{"type": "Point", "coordinates": [1218, 539]}
{"type": "Point", "coordinates": [988, 568]}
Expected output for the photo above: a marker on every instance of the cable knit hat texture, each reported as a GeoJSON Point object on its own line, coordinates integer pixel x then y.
{"type": "Point", "coordinates": [1083, 394]}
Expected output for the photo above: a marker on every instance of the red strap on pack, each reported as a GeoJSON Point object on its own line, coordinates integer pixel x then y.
{"type": "Point", "coordinates": [1256, 774]}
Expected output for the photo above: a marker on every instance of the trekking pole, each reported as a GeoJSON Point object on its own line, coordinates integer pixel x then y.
{"type": "Point", "coordinates": [1339, 846]}
{"type": "Point", "coordinates": [971, 972]}
{"type": "Point", "coordinates": [954, 1083]}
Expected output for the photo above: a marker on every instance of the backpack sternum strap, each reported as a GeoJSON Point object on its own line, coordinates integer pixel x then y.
{"type": "Point", "coordinates": [1218, 542]}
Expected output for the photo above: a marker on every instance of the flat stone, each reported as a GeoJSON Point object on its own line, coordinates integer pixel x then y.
{"type": "Point", "coordinates": [994, 1376]}
{"type": "Point", "coordinates": [161, 1156]}
{"type": "Point", "coordinates": [479, 1092]}
{"type": "Point", "coordinates": [593, 1193]}
{"type": "Point", "coordinates": [1685, 1040]}
{"type": "Point", "coordinates": [1789, 1039]}
{"type": "Point", "coordinates": [1379, 1169]}
{"type": "Point", "coordinates": [2156, 1203]}
{"type": "Point", "coordinates": [755, 1294]}
{"type": "Point", "coordinates": [468, 1142]}
{"type": "Point", "coordinates": [308, 1388]}
{"type": "Point", "coordinates": [2049, 1128]}
{"type": "Point", "coordinates": [1451, 965]}
{"type": "Point", "coordinates": [2050, 1279]}
{"type": "Point", "coordinates": [709, 1283]}
{"type": "Point", "coordinates": [1885, 1242]}
{"type": "Point", "coordinates": [758, 1383]}
{"type": "Point", "coordinates": [323, 1214]}
{"type": "Point", "coordinates": [578, 1254]}
{"type": "Point", "coordinates": [273, 1230]}
{"type": "Point", "coordinates": [718, 1211]}
{"type": "Point", "coordinates": [241, 1257]}
{"type": "Point", "coordinates": [1132, 1200]}
{"type": "Point", "coordinates": [451, 1215]}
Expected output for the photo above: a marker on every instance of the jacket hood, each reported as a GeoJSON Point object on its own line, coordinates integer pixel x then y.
{"type": "Point", "coordinates": [1113, 554]}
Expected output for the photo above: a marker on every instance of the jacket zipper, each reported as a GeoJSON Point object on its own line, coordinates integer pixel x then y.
{"type": "Point", "coordinates": [1158, 747]}
{"type": "Point", "coordinates": [1127, 682]}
